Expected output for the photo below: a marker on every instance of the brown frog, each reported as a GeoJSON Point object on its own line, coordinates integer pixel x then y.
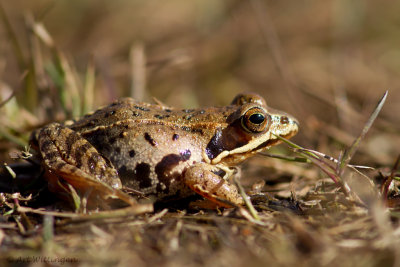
{"type": "Point", "coordinates": [160, 151]}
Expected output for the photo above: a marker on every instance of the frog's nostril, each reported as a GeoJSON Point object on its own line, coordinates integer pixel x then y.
{"type": "Point", "coordinates": [284, 120]}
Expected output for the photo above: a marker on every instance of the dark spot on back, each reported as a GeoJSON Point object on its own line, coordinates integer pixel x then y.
{"type": "Point", "coordinates": [185, 155]}
{"type": "Point", "coordinates": [175, 137]}
{"type": "Point", "coordinates": [142, 108]}
{"type": "Point", "coordinates": [159, 188]}
{"type": "Point", "coordinates": [164, 167]}
{"type": "Point", "coordinates": [90, 124]}
{"type": "Point", "coordinates": [188, 117]}
{"type": "Point", "coordinates": [142, 173]}
{"type": "Point", "coordinates": [112, 140]}
{"type": "Point", "coordinates": [150, 139]}
{"type": "Point", "coordinates": [100, 141]}
{"type": "Point", "coordinates": [158, 116]}
{"type": "Point", "coordinates": [135, 113]}
{"type": "Point", "coordinates": [93, 122]}
{"type": "Point", "coordinates": [132, 153]}
{"type": "Point", "coordinates": [108, 114]}
{"type": "Point", "coordinates": [118, 150]}
{"type": "Point", "coordinates": [126, 174]}
{"type": "Point", "coordinates": [197, 130]}
{"type": "Point", "coordinates": [168, 110]}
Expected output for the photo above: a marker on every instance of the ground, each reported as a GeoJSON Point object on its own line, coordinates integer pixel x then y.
{"type": "Point", "coordinates": [328, 63]}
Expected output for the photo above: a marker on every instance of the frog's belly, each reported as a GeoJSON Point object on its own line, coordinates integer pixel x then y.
{"type": "Point", "coordinates": [151, 161]}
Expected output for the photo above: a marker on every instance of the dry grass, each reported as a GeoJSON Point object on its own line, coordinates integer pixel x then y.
{"type": "Point", "coordinates": [326, 62]}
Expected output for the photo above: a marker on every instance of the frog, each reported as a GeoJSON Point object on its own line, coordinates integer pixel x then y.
{"type": "Point", "coordinates": [132, 148]}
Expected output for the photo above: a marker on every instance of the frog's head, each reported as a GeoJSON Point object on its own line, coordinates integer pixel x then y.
{"type": "Point", "coordinates": [251, 127]}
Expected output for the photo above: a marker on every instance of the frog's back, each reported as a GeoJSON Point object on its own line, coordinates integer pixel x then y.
{"type": "Point", "coordinates": [151, 145]}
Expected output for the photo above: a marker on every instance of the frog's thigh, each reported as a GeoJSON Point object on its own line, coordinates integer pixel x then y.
{"type": "Point", "coordinates": [69, 156]}
{"type": "Point", "coordinates": [203, 181]}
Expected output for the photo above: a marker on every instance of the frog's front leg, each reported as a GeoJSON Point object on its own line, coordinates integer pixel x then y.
{"type": "Point", "coordinates": [202, 179]}
{"type": "Point", "coordinates": [67, 157]}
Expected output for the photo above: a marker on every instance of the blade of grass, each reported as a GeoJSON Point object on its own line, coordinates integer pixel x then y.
{"type": "Point", "coordinates": [75, 197]}
{"type": "Point", "coordinates": [61, 72]}
{"type": "Point", "coordinates": [349, 153]}
{"type": "Point", "coordinates": [13, 38]}
{"type": "Point", "coordinates": [326, 168]}
{"type": "Point", "coordinates": [317, 160]}
{"type": "Point", "coordinates": [4, 133]}
{"type": "Point", "coordinates": [314, 158]}
{"type": "Point", "coordinates": [10, 171]}
{"type": "Point", "coordinates": [88, 90]}
{"type": "Point", "coordinates": [29, 96]}
{"type": "Point", "coordinates": [287, 158]}
{"type": "Point", "coordinates": [304, 160]}
{"type": "Point", "coordinates": [129, 211]}
{"type": "Point", "coordinates": [48, 228]}
{"type": "Point", "coordinates": [246, 199]}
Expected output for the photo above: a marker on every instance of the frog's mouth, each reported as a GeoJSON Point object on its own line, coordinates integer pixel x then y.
{"type": "Point", "coordinates": [242, 152]}
{"type": "Point", "coordinates": [272, 142]}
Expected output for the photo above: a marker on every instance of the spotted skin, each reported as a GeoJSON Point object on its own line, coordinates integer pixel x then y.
{"type": "Point", "coordinates": [160, 151]}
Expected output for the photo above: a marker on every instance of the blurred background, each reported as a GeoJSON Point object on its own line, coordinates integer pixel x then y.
{"type": "Point", "coordinates": [325, 62]}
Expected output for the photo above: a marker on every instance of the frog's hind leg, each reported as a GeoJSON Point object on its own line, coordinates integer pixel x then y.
{"type": "Point", "coordinates": [69, 158]}
{"type": "Point", "coordinates": [202, 179]}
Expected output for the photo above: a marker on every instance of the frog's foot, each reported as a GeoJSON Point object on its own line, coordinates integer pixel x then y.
{"type": "Point", "coordinates": [69, 158]}
{"type": "Point", "coordinates": [202, 179]}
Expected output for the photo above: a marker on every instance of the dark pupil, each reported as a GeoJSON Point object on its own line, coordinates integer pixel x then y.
{"type": "Point", "coordinates": [257, 118]}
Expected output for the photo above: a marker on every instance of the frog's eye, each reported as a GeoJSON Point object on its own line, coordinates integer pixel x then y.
{"type": "Point", "coordinates": [255, 120]}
